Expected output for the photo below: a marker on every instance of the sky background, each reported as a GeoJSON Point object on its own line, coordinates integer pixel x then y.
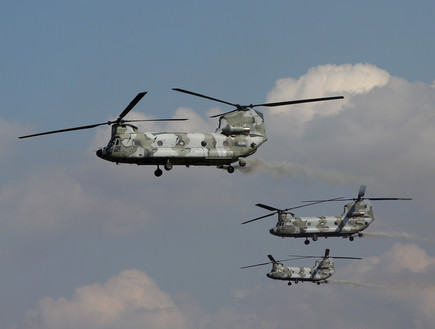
{"type": "Point", "coordinates": [85, 243]}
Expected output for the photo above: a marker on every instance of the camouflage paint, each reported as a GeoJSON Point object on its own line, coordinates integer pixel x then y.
{"type": "Point", "coordinates": [356, 217]}
{"type": "Point", "coordinates": [238, 136]}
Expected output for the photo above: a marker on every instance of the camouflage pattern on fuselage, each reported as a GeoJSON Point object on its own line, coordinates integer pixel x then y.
{"type": "Point", "coordinates": [321, 271]}
{"type": "Point", "coordinates": [356, 217]}
{"type": "Point", "coordinates": [238, 136]}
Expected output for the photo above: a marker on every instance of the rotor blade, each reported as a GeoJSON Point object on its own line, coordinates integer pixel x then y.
{"type": "Point", "coordinates": [272, 261]}
{"type": "Point", "coordinates": [258, 218]}
{"type": "Point", "coordinates": [67, 129]}
{"type": "Point", "coordinates": [265, 206]}
{"type": "Point", "coordinates": [324, 256]}
{"type": "Point", "coordinates": [255, 265]}
{"type": "Point", "coordinates": [221, 114]}
{"type": "Point", "coordinates": [361, 192]}
{"type": "Point", "coordinates": [204, 96]}
{"type": "Point", "coordinates": [380, 199]}
{"type": "Point", "coordinates": [143, 120]}
{"type": "Point", "coordinates": [314, 202]}
{"type": "Point", "coordinates": [309, 100]}
{"type": "Point", "coordinates": [132, 104]}
{"type": "Point", "coordinates": [271, 258]}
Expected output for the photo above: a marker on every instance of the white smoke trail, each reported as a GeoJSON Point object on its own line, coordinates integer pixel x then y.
{"type": "Point", "coordinates": [358, 284]}
{"type": "Point", "coordinates": [303, 172]}
{"type": "Point", "coordinates": [396, 286]}
{"type": "Point", "coordinates": [401, 235]}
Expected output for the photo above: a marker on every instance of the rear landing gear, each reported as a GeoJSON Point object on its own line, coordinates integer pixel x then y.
{"type": "Point", "coordinates": [158, 172]}
{"type": "Point", "coordinates": [307, 241]}
{"type": "Point", "coordinates": [230, 169]}
{"type": "Point", "coordinates": [351, 238]}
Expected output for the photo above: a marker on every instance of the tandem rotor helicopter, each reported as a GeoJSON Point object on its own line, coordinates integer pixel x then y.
{"type": "Point", "coordinates": [356, 217]}
{"type": "Point", "coordinates": [239, 134]}
{"type": "Point", "coordinates": [319, 273]}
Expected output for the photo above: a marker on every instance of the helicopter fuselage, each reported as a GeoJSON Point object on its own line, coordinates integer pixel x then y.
{"type": "Point", "coordinates": [357, 216]}
{"type": "Point", "coordinates": [238, 136]}
{"type": "Point", "coordinates": [128, 145]}
{"type": "Point", "coordinates": [321, 271]}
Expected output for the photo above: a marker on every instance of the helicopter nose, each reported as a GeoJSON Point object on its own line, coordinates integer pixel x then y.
{"type": "Point", "coordinates": [99, 153]}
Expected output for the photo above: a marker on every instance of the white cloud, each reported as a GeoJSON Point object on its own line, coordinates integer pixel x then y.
{"type": "Point", "coordinates": [61, 199]}
{"type": "Point", "coordinates": [128, 300]}
{"type": "Point", "coordinates": [380, 133]}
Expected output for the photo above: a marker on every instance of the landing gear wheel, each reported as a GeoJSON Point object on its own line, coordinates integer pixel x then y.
{"type": "Point", "coordinates": [360, 235]}
{"type": "Point", "coordinates": [307, 241]}
{"type": "Point", "coordinates": [158, 172]}
{"type": "Point", "coordinates": [230, 169]}
{"type": "Point", "coordinates": [351, 238]}
{"type": "Point", "coordinates": [289, 283]}
{"type": "Point", "coordinates": [314, 238]}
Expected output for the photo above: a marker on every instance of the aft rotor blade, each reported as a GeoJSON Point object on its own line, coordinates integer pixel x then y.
{"type": "Point", "coordinates": [346, 257]}
{"type": "Point", "coordinates": [132, 104]}
{"type": "Point", "coordinates": [67, 129]}
{"type": "Point", "coordinates": [381, 199]}
{"type": "Point", "coordinates": [309, 100]}
{"type": "Point", "coordinates": [361, 192]}
{"type": "Point", "coordinates": [314, 202]}
{"type": "Point", "coordinates": [204, 96]}
{"type": "Point", "coordinates": [258, 218]}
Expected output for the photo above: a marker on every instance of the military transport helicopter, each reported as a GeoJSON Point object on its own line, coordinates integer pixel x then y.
{"type": "Point", "coordinates": [319, 273]}
{"type": "Point", "coordinates": [239, 134]}
{"type": "Point", "coordinates": [356, 217]}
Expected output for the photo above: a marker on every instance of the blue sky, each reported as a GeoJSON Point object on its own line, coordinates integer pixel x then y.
{"type": "Point", "coordinates": [85, 242]}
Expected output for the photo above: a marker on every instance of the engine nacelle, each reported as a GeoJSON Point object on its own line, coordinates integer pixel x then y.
{"type": "Point", "coordinates": [230, 130]}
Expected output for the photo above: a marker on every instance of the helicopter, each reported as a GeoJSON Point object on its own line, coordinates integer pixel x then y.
{"type": "Point", "coordinates": [319, 273]}
{"type": "Point", "coordinates": [356, 217]}
{"type": "Point", "coordinates": [239, 134]}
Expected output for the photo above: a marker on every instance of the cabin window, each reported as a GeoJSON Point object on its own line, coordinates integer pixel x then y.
{"type": "Point", "coordinates": [225, 143]}
{"type": "Point", "coordinates": [309, 223]}
{"type": "Point", "coordinates": [203, 143]}
{"type": "Point", "coordinates": [181, 142]}
{"type": "Point", "coordinates": [159, 143]}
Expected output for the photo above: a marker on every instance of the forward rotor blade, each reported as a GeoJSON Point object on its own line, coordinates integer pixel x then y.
{"type": "Point", "coordinates": [273, 261]}
{"type": "Point", "coordinates": [309, 100]}
{"type": "Point", "coordinates": [255, 265]}
{"type": "Point", "coordinates": [67, 129]}
{"type": "Point", "coordinates": [271, 258]}
{"type": "Point", "coordinates": [265, 206]}
{"type": "Point", "coordinates": [131, 105]}
{"type": "Point", "coordinates": [346, 257]}
{"type": "Point", "coordinates": [258, 218]}
{"type": "Point", "coordinates": [144, 120]}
